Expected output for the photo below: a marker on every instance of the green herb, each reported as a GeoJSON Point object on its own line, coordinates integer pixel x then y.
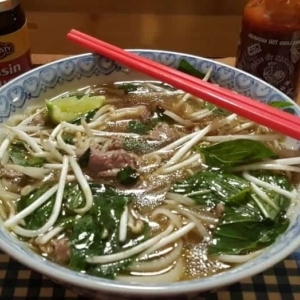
{"type": "Point", "coordinates": [244, 237]}
{"type": "Point", "coordinates": [210, 188]}
{"type": "Point", "coordinates": [41, 215]}
{"type": "Point", "coordinates": [128, 87]}
{"type": "Point", "coordinates": [88, 117]}
{"type": "Point", "coordinates": [280, 203]}
{"type": "Point", "coordinates": [73, 197]}
{"type": "Point", "coordinates": [231, 153]}
{"type": "Point", "coordinates": [139, 127]}
{"type": "Point", "coordinates": [68, 138]}
{"type": "Point", "coordinates": [83, 161]}
{"type": "Point", "coordinates": [161, 117]}
{"type": "Point", "coordinates": [280, 104]}
{"type": "Point", "coordinates": [186, 67]}
{"type": "Point", "coordinates": [97, 233]}
{"type": "Point", "coordinates": [248, 222]}
{"type": "Point", "coordinates": [128, 176]}
{"type": "Point", "coordinates": [20, 156]}
{"type": "Point", "coordinates": [283, 105]}
{"type": "Point", "coordinates": [216, 110]}
{"type": "Point", "coordinates": [78, 95]}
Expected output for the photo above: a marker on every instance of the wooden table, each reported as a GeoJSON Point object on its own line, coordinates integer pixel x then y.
{"type": "Point", "coordinates": [279, 282]}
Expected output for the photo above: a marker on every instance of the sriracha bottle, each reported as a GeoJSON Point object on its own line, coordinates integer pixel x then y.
{"type": "Point", "coordinates": [269, 45]}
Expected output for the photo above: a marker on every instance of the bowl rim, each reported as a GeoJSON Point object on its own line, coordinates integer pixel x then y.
{"type": "Point", "coordinates": [65, 276]}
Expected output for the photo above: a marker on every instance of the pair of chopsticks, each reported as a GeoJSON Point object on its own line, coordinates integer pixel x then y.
{"type": "Point", "coordinates": [243, 106]}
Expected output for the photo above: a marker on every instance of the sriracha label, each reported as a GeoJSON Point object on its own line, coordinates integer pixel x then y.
{"type": "Point", "coordinates": [14, 54]}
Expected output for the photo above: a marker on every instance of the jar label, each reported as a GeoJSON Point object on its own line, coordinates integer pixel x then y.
{"type": "Point", "coordinates": [274, 57]}
{"type": "Point", "coordinates": [14, 54]}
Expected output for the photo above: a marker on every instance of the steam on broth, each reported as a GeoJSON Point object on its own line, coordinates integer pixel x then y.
{"type": "Point", "coordinates": [144, 183]}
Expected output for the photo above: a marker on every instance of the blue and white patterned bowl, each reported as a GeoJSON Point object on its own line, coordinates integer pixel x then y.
{"type": "Point", "coordinates": [83, 70]}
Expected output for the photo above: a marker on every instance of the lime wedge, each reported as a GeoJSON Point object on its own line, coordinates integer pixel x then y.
{"type": "Point", "coordinates": [70, 108]}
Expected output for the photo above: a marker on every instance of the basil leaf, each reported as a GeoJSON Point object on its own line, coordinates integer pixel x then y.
{"type": "Point", "coordinates": [210, 188]}
{"type": "Point", "coordinates": [139, 127]}
{"type": "Point", "coordinates": [280, 104]}
{"type": "Point", "coordinates": [280, 203]}
{"type": "Point", "coordinates": [68, 138]}
{"type": "Point", "coordinates": [186, 67]}
{"type": "Point", "coordinates": [97, 233]}
{"type": "Point", "coordinates": [128, 87]}
{"type": "Point", "coordinates": [246, 225]}
{"type": "Point", "coordinates": [216, 110]}
{"type": "Point", "coordinates": [20, 156]}
{"type": "Point", "coordinates": [88, 117]}
{"type": "Point", "coordinates": [231, 153]}
{"type": "Point", "coordinates": [128, 176]}
{"type": "Point", "coordinates": [244, 237]}
{"type": "Point", "coordinates": [41, 215]}
{"type": "Point", "coordinates": [73, 197]}
{"type": "Point", "coordinates": [159, 116]}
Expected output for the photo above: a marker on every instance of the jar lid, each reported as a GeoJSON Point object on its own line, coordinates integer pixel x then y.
{"type": "Point", "coordinates": [8, 4]}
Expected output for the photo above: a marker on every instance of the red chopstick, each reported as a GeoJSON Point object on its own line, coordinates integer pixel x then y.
{"type": "Point", "coordinates": [187, 77]}
{"type": "Point", "coordinates": [248, 108]}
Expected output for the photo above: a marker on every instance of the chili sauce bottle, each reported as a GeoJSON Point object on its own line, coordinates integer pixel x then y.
{"type": "Point", "coordinates": [14, 41]}
{"type": "Point", "coordinates": [269, 45]}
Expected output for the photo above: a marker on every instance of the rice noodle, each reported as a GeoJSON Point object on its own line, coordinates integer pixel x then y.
{"type": "Point", "coordinates": [171, 276]}
{"type": "Point", "coordinates": [180, 199]}
{"type": "Point", "coordinates": [130, 252]}
{"type": "Point", "coordinates": [203, 232]}
{"type": "Point", "coordinates": [159, 263]}
{"type": "Point", "coordinates": [171, 238]}
{"type": "Point", "coordinates": [44, 239]}
{"type": "Point", "coordinates": [238, 259]}
{"type": "Point", "coordinates": [168, 213]}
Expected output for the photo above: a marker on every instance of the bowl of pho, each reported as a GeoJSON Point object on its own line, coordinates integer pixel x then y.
{"type": "Point", "coordinates": [119, 186]}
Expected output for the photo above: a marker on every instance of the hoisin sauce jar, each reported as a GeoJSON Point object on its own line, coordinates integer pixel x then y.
{"type": "Point", "coordinates": [14, 41]}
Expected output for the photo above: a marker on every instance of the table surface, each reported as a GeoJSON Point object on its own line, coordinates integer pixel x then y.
{"type": "Point", "coordinates": [279, 282]}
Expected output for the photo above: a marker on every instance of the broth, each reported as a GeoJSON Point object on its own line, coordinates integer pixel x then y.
{"type": "Point", "coordinates": [152, 185]}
